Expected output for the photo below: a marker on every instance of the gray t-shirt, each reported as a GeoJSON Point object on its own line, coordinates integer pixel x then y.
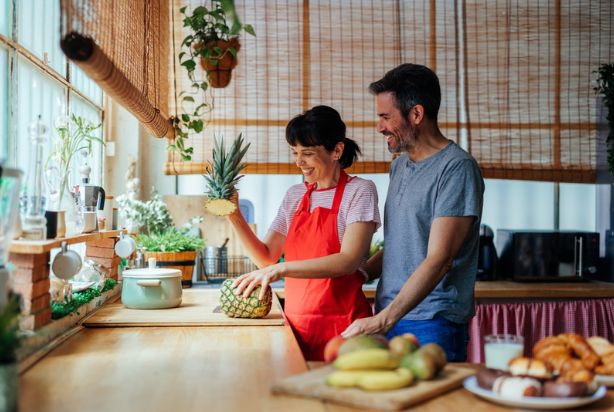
{"type": "Point", "coordinates": [448, 183]}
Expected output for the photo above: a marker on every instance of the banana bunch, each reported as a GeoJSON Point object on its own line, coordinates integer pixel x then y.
{"type": "Point", "coordinates": [370, 369]}
{"type": "Point", "coordinates": [379, 369]}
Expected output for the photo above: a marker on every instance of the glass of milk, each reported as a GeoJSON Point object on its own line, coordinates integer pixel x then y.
{"type": "Point", "coordinates": [500, 349]}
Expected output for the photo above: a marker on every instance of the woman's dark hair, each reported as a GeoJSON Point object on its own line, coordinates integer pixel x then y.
{"type": "Point", "coordinates": [322, 126]}
{"type": "Point", "coordinates": [411, 84]}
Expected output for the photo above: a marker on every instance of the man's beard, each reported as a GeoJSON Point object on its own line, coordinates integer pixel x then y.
{"type": "Point", "coordinates": [407, 138]}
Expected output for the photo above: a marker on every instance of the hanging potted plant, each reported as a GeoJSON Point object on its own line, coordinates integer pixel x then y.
{"type": "Point", "coordinates": [605, 88]}
{"type": "Point", "coordinates": [214, 40]}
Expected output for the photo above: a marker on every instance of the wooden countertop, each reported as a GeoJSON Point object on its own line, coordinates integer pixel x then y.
{"type": "Point", "coordinates": [178, 368]}
{"type": "Point", "coordinates": [187, 369]}
{"type": "Point", "coordinates": [523, 290]}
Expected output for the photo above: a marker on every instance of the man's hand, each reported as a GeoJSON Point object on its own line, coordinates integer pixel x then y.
{"type": "Point", "coordinates": [367, 326]}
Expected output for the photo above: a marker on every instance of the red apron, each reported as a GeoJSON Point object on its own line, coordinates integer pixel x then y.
{"type": "Point", "coordinates": [319, 309]}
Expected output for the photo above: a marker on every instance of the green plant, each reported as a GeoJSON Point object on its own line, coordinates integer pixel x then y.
{"type": "Point", "coordinates": [72, 138]}
{"type": "Point", "coordinates": [59, 310]}
{"type": "Point", "coordinates": [207, 26]}
{"type": "Point", "coordinates": [9, 330]}
{"type": "Point", "coordinates": [152, 216]}
{"type": "Point", "coordinates": [172, 240]}
{"type": "Point", "coordinates": [605, 87]}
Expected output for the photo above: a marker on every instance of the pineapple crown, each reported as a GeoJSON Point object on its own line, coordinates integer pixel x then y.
{"type": "Point", "coordinates": [223, 172]}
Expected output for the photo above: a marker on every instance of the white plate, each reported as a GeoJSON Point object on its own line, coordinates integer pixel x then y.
{"type": "Point", "coordinates": [471, 385]}
{"type": "Point", "coordinates": [607, 380]}
{"type": "Point", "coordinates": [79, 286]}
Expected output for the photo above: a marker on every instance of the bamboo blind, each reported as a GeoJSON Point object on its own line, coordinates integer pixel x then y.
{"type": "Point", "coordinates": [516, 78]}
{"type": "Point", "coordinates": [124, 47]}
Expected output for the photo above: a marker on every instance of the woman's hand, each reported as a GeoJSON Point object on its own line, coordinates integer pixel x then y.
{"type": "Point", "coordinates": [246, 283]}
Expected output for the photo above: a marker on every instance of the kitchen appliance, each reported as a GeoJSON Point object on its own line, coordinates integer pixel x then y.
{"type": "Point", "coordinates": [487, 257]}
{"type": "Point", "coordinates": [91, 195]}
{"type": "Point", "coordinates": [10, 185]}
{"type": "Point", "coordinates": [547, 255]}
{"type": "Point", "coordinates": [151, 288]}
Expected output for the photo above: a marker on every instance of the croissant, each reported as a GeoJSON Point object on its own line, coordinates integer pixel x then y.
{"type": "Point", "coordinates": [601, 346]}
{"type": "Point", "coordinates": [547, 342]}
{"type": "Point", "coordinates": [554, 356]}
{"type": "Point", "coordinates": [581, 348]}
{"type": "Point", "coordinates": [576, 375]}
{"type": "Point", "coordinates": [605, 369]}
{"type": "Point", "coordinates": [608, 365]}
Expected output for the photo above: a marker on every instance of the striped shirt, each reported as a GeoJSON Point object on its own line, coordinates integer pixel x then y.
{"type": "Point", "coordinates": [358, 204]}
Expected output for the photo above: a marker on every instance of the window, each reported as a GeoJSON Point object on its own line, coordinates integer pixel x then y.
{"type": "Point", "coordinates": [36, 79]}
{"type": "Point", "coordinates": [3, 101]}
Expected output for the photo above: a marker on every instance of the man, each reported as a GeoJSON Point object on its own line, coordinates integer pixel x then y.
{"type": "Point", "coordinates": [431, 220]}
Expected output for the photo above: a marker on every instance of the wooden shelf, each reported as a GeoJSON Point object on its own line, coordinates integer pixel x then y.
{"type": "Point", "coordinates": [43, 246]}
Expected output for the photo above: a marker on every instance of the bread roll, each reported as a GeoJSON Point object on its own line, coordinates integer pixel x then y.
{"type": "Point", "coordinates": [528, 367]}
{"type": "Point", "coordinates": [516, 387]}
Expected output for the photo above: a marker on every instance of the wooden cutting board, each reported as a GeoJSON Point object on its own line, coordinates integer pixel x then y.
{"type": "Point", "coordinates": [199, 307]}
{"type": "Point", "coordinates": [311, 384]}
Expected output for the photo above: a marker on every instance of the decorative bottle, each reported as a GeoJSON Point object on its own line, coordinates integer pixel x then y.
{"type": "Point", "coordinates": [34, 222]}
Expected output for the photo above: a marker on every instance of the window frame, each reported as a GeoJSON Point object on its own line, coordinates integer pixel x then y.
{"type": "Point", "coordinates": [15, 50]}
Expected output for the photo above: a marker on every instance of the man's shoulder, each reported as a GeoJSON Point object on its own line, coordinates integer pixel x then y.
{"type": "Point", "coordinates": [456, 156]}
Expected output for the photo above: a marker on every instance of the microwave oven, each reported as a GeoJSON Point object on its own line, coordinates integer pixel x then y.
{"type": "Point", "coordinates": [547, 255]}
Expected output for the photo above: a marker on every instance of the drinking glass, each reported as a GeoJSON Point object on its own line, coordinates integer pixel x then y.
{"type": "Point", "coordinates": [499, 350]}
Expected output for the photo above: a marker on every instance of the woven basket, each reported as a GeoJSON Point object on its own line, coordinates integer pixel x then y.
{"type": "Point", "coordinates": [183, 261]}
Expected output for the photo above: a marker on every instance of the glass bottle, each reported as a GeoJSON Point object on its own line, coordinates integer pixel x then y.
{"type": "Point", "coordinates": [34, 222]}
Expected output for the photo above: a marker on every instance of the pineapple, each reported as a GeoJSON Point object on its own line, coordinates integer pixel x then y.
{"type": "Point", "coordinates": [222, 176]}
{"type": "Point", "coordinates": [239, 307]}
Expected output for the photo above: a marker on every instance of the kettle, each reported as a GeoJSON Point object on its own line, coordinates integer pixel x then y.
{"type": "Point", "coordinates": [487, 256]}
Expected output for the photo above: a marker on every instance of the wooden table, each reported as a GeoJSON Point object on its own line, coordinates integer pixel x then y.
{"type": "Point", "coordinates": [178, 368]}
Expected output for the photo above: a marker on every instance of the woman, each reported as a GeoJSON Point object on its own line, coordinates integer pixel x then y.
{"type": "Point", "coordinates": [324, 228]}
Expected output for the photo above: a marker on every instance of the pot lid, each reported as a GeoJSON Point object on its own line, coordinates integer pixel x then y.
{"type": "Point", "coordinates": [151, 273]}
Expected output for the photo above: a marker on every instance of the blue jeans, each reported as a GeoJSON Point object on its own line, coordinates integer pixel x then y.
{"type": "Point", "coordinates": [452, 337]}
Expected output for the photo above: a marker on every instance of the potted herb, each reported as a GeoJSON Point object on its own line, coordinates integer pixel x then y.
{"type": "Point", "coordinates": [605, 87]}
{"type": "Point", "coordinates": [9, 343]}
{"type": "Point", "coordinates": [173, 248]}
{"type": "Point", "coordinates": [214, 42]}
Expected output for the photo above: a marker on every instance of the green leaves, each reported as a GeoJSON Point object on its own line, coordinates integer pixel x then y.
{"type": "Point", "coordinates": [9, 328]}
{"type": "Point", "coordinates": [219, 21]}
{"type": "Point", "coordinates": [223, 171]}
{"type": "Point", "coordinates": [173, 240]}
{"type": "Point", "coordinates": [605, 88]}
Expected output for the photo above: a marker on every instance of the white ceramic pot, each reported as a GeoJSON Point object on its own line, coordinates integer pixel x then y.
{"type": "Point", "coordinates": [151, 288]}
